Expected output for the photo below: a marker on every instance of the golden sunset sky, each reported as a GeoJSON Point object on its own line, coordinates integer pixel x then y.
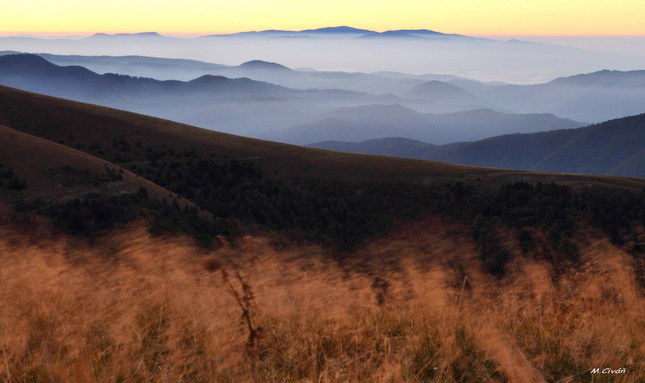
{"type": "Point", "coordinates": [189, 17]}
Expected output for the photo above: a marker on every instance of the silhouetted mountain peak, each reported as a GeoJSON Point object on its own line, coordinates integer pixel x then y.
{"type": "Point", "coordinates": [437, 85]}
{"type": "Point", "coordinates": [146, 34]}
{"type": "Point", "coordinates": [408, 34]}
{"type": "Point", "coordinates": [604, 78]}
{"type": "Point", "coordinates": [388, 34]}
{"type": "Point", "coordinates": [340, 29]}
{"type": "Point", "coordinates": [443, 92]}
{"type": "Point", "coordinates": [140, 34]}
{"type": "Point", "coordinates": [34, 64]}
{"type": "Point", "coordinates": [24, 59]}
{"type": "Point", "coordinates": [419, 32]}
{"type": "Point", "coordinates": [350, 32]}
{"type": "Point", "coordinates": [388, 146]}
{"type": "Point", "coordinates": [244, 84]}
{"type": "Point", "coordinates": [329, 31]}
{"type": "Point", "coordinates": [266, 65]}
{"type": "Point", "coordinates": [209, 79]}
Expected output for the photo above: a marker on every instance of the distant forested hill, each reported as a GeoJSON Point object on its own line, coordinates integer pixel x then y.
{"type": "Point", "coordinates": [615, 147]}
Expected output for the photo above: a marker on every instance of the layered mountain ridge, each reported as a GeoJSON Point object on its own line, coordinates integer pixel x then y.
{"type": "Point", "coordinates": [613, 148]}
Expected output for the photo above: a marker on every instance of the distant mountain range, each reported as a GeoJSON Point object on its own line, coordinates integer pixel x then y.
{"type": "Point", "coordinates": [355, 50]}
{"type": "Point", "coordinates": [435, 109]}
{"type": "Point", "coordinates": [591, 97]}
{"type": "Point", "coordinates": [615, 147]}
{"type": "Point", "coordinates": [326, 32]}
{"type": "Point", "coordinates": [212, 101]}
{"type": "Point", "coordinates": [125, 35]}
{"type": "Point", "coordinates": [185, 70]}
{"type": "Point", "coordinates": [340, 30]}
{"type": "Point", "coordinates": [347, 32]}
{"type": "Point", "coordinates": [34, 73]}
{"type": "Point", "coordinates": [138, 66]}
{"type": "Point", "coordinates": [366, 122]}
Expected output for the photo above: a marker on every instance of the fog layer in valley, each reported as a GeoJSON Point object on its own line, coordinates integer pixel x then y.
{"type": "Point", "coordinates": [348, 49]}
{"type": "Point", "coordinates": [339, 84]}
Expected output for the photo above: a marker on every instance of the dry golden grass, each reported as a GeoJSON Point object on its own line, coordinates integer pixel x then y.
{"type": "Point", "coordinates": [135, 308]}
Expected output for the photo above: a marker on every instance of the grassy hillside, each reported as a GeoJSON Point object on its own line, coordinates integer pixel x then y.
{"type": "Point", "coordinates": [56, 172]}
{"type": "Point", "coordinates": [85, 196]}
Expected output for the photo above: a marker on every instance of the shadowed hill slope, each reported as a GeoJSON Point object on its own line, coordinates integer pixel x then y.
{"type": "Point", "coordinates": [388, 146]}
{"type": "Point", "coordinates": [97, 130]}
{"type": "Point", "coordinates": [57, 119]}
{"type": "Point", "coordinates": [82, 195]}
{"type": "Point", "coordinates": [55, 172]}
{"type": "Point", "coordinates": [613, 147]}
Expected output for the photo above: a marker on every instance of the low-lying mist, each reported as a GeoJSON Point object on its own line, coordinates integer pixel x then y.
{"type": "Point", "coordinates": [432, 108]}
{"type": "Point", "coordinates": [484, 59]}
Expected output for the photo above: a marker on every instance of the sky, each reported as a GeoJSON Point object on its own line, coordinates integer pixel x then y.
{"type": "Point", "coordinates": [198, 17]}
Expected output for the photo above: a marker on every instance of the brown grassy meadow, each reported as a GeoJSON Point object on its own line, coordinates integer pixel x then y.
{"type": "Point", "coordinates": [412, 307]}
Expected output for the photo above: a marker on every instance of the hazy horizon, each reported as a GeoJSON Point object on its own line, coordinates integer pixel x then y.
{"type": "Point", "coordinates": [529, 60]}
